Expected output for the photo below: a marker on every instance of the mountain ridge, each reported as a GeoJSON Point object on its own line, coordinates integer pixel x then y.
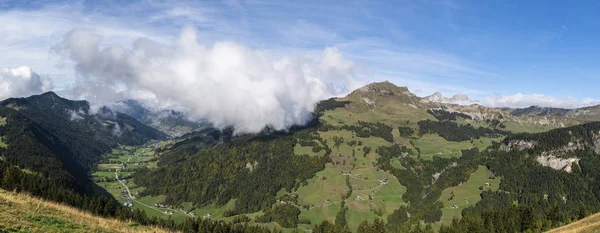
{"type": "Point", "coordinates": [171, 122]}
{"type": "Point", "coordinates": [365, 98]}
{"type": "Point", "coordinates": [64, 136]}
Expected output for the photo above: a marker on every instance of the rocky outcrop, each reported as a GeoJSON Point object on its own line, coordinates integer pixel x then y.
{"type": "Point", "coordinates": [559, 159]}
{"type": "Point", "coordinates": [596, 141]}
{"type": "Point", "coordinates": [547, 121]}
{"type": "Point", "coordinates": [475, 111]}
{"type": "Point", "coordinates": [556, 163]}
{"type": "Point", "coordinates": [251, 166]}
{"type": "Point", "coordinates": [519, 145]}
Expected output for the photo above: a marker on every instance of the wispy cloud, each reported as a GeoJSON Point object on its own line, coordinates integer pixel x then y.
{"type": "Point", "coordinates": [526, 100]}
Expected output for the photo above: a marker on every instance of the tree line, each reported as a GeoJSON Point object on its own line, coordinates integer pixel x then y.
{"type": "Point", "coordinates": [329, 104]}
{"type": "Point", "coordinates": [452, 131]}
{"type": "Point", "coordinates": [443, 115]}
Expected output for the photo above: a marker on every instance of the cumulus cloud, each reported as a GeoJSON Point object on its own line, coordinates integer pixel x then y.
{"type": "Point", "coordinates": [225, 83]}
{"type": "Point", "coordinates": [526, 100]}
{"type": "Point", "coordinates": [22, 81]}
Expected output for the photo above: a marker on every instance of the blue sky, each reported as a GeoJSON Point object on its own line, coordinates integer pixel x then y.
{"type": "Point", "coordinates": [490, 50]}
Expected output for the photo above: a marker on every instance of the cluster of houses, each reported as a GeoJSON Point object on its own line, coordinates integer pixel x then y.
{"type": "Point", "coordinates": [161, 205]}
{"type": "Point", "coordinates": [128, 203]}
{"type": "Point", "coordinates": [284, 202]}
{"type": "Point", "coordinates": [125, 194]}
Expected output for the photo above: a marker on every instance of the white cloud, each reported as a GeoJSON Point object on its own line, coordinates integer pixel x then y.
{"type": "Point", "coordinates": [281, 28]}
{"type": "Point", "coordinates": [527, 100]}
{"type": "Point", "coordinates": [22, 81]}
{"type": "Point", "coordinates": [29, 34]}
{"type": "Point", "coordinates": [225, 82]}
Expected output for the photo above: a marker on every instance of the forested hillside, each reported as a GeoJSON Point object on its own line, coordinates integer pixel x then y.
{"type": "Point", "coordinates": [49, 153]}
{"type": "Point", "coordinates": [75, 122]}
{"type": "Point", "coordinates": [536, 196]}
{"type": "Point", "coordinates": [48, 148]}
{"type": "Point", "coordinates": [251, 172]}
{"type": "Point", "coordinates": [61, 139]}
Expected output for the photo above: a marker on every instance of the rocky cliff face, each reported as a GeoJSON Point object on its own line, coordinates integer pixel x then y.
{"type": "Point", "coordinates": [519, 145]}
{"type": "Point", "coordinates": [559, 149]}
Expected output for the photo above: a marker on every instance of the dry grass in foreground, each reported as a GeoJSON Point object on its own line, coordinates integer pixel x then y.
{"type": "Point", "coordinates": [586, 225]}
{"type": "Point", "coordinates": [23, 213]}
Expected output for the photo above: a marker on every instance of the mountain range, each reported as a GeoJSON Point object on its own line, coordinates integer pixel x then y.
{"type": "Point", "coordinates": [380, 158]}
{"type": "Point", "coordinates": [171, 122]}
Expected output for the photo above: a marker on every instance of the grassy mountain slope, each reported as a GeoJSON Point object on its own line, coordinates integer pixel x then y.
{"type": "Point", "coordinates": [23, 213]}
{"type": "Point", "coordinates": [587, 225]}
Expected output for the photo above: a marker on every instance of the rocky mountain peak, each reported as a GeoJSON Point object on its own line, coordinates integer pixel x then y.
{"type": "Point", "coordinates": [460, 97]}
{"type": "Point", "coordinates": [435, 97]}
{"type": "Point", "coordinates": [456, 99]}
{"type": "Point", "coordinates": [385, 88]}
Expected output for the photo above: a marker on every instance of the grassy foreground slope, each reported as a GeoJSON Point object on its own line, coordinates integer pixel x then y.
{"type": "Point", "coordinates": [23, 213]}
{"type": "Point", "coordinates": [586, 225]}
